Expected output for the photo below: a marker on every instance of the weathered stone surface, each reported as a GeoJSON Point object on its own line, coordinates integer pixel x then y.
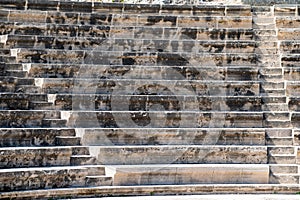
{"type": "Point", "coordinates": [46, 178]}
{"type": "Point", "coordinates": [34, 156]}
{"type": "Point", "coordinates": [149, 136]}
{"type": "Point", "coordinates": [166, 119]}
{"type": "Point", "coordinates": [32, 137]}
{"type": "Point", "coordinates": [189, 174]}
{"type": "Point", "coordinates": [133, 155]}
{"type": "Point", "coordinates": [151, 84]}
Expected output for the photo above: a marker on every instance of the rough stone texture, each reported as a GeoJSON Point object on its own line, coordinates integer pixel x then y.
{"type": "Point", "coordinates": [206, 83]}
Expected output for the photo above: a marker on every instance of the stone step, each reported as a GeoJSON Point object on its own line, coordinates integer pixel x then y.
{"type": "Point", "coordinates": [54, 123]}
{"type": "Point", "coordinates": [272, 85]}
{"type": "Point", "coordinates": [164, 119]}
{"type": "Point", "coordinates": [16, 157]}
{"type": "Point", "coordinates": [89, 7]}
{"type": "Point", "coordinates": [11, 66]}
{"type": "Point", "coordinates": [7, 59]}
{"type": "Point", "coordinates": [284, 178]}
{"type": "Point", "coordinates": [273, 100]}
{"type": "Point", "coordinates": [176, 136]}
{"type": "Point", "coordinates": [278, 150]}
{"type": "Point", "coordinates": [145, 190]}
{"type": "Point", "coordinates": [277, 123]}
{"type": "Point", "coordinates": [129, 32]}
{"type": "Point", "coordinates": [292, 88]}
{"type": "Point", "coordinates": [151, 86]}
{"type": "Point", "coordinates": [272, 77]}
{"type": "Point", "coordinates": [130, 19]}
{"type": "Point", "coordinates": [21, 96]}
{"type": "Point", "coordinates": [175, 174]}
{"type": "Point", "coordinates": [47, 177]}
{"type": "Point", "coordinates": [67, 140]}
{"type": "Point", "coordinates": [263, 20]}
{"type": "Point", "coordinates": [25, 119]}
{"type": "Point", "coordinates": [275, 107]}
{"type": "Point", "coordinates": [179, 154]}
{"type": "Point", "coordinates": [287, 22]}
{"type": "Point", "coordinates": [289, 33]}
{"type": "Point", "coordinates": [285, 10]}
{"type": "Point", "coordinates": [16, 73]}
{"type": "Point", "coordinates": [82, 160]}
{"type": "Point", "coordinates": [108, 102]}
{"type": "Point", "coordinates": [279, 140]}
{"type": "Point", "coordinates": [279, 132]}
{"type": "Point", "coordinates": [290, 47]}
{"type": "Point", "coordinates": [273, 92]}
{"type": "Point", "coordinates": [292, 73]}
{"type": "Point", "coordinates": [271, 71]}
{"type": "Point", "coordinates": [283, 169]}
{"type": "Point", "coordinates": [32, 137]}
{"type": "Point", "coordinates": [282, 116]}
{"type": "Point", "coordinates": [27, 89]}
{"type": "Point", "coordinates": [227, 73]}
{"type": "Point", "coordinates": [135, 44]}
{"type": "Point", "coordinates": [132, 58]}
{"type": "Point", "coordinates": [41, 105]}
{"type": "Point", "coordinates": [95, 181]}
{"type": "Point", "coordinates": [282, 159]}
{"type": "Point", "coordinates": [146, 18]}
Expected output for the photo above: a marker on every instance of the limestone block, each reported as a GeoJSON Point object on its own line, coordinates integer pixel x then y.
{"type": "Point", "coordinates": [287, 22]}
{"type": "Point", "coordinates": [290, 47]}
{"type": "Point", "coordinates": [234, 22]}
{"type": "Point", "coordinates": [285, 169]}
{"type": "Point", "coordinates": [293, 89]}
{"type": "Point", "coordinates": [238, 10]}
{"type": "Point", "coordinates": [285, 10]}
{"type": "Point", "coordinates": [27, 16]}
{"type": "Point", "coordinates": [34, 156]}
{"type": "Point", "coordinates": [171, 137]}
{"type": "Point", "coordinates": [131, 155]}
{"type": "Point", "coordinates": [4, 15]}
{"type": "Point", "coordinates": [66, 6]}
{"type": "Point", "coordinates": [17, 5]}
{"type": "Point", "coordinates": [284, 179]}
{"type": "Point", "coordinates": [42, 5]}
{"type": "Point", "coordinates": [209, 10]}
{"type": "Point", "coordinates": [173, 9]}
{"type": "Point", "coordinates": [124, 20]}
{"type": "Point", "coordinates": [108, 8]}
{"type": "Point", "coordinates": [288, 34]}
{"type": "Point", "coordinates": [200, 22]}
{"type": "Point", "coordinates": [195, 174]}
{"type": "Point", "coordinates": [42, 178]}
{"type": "Point", "coordinates": [157, 21]}
{"type": "Point", "coordinates": [32, 137]}
{"type": "Point", "coordinates": [141, 8]}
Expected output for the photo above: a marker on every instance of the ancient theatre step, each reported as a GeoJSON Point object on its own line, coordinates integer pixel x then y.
{"type": "Point", "coordinates": [174, 174]}
{"type": "Point", "coordinates": [82, 160]}
{"type": "Point", "coordinates": [54, 123]}
{"type": "Point", "coordinates": [180, 154]}
{"type": "Point", "coordinates": [41, 105]}
{"type": "Point", "coordinates": [49, 177]}
{"type": "Point", "coordinates": [92, 181]}
{"type": "Point", "coordinates": [285, 178]}
{"type": "Point", "coordinates": [16, 73]}
{"type": "Point", "coordinates": [175, 136]}
{"type": "Point", "coordinates": [67, 140]}
{"type": "Point", "coordinates": [18, 137]}
{"type": "Point", "coordinates": [35, 156]}
{"type": "Point", "coordinates": [28, 89]}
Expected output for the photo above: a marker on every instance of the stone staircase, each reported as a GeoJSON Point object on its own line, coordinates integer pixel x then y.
{"type": "Point", "coordinates": [120, 99]}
